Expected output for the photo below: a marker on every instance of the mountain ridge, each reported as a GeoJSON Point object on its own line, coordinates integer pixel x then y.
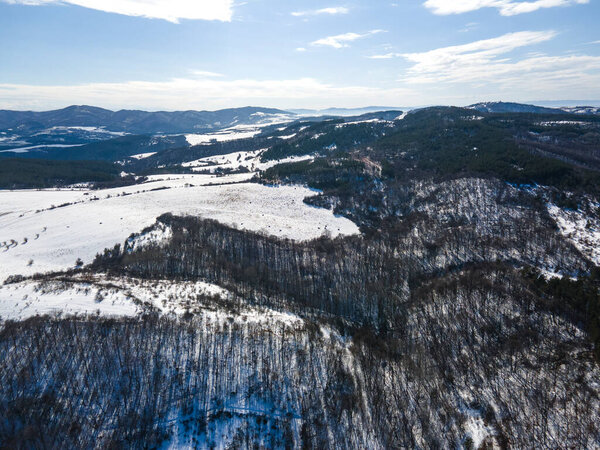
{"type": "Point", "coordinates": [136, 121]}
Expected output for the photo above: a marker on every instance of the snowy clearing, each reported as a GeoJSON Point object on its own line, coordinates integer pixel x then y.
{"type": "Point", "coordinates": [235, 161]}
{"type": "Point", "coordinates": [48, 230]}
{"type": "Point", "coordinates": [143, 155]}
{"type": "Point", "coordinates": [239, 131]}
{"type": "Point", "coordinates": [223, 136]}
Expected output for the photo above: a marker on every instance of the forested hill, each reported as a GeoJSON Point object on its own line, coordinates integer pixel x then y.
{"type": "Point", "coordinates": [134, 121]}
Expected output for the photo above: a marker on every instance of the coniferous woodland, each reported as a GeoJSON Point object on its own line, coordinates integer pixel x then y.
{"type": "Point", "coordinates": [460, 317]}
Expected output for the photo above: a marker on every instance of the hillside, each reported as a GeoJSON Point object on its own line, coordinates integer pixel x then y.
{"type": "Point", "coordinates": [507, 107]}
{"type": "Point", "coordinates": [427, 279]}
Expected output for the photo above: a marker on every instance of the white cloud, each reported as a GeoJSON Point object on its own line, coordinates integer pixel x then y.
{"type": "Point", "coordinates": [201, 93]}
{"type": "Point", "coordinates": [478, 52]}
{"type": "Point", "coordinates": [505, 7]}
{"type": "Point", "coordinates": [171, 10]}
{"type": "Point", "coordinates": [300, 49]}
{"type": "Point", "coordinates": [341, 40]}
{"type": "Point", "coordinates": [386, 56]}
{"type": "Point", "coordinates": [316, 12]}
{"type": "Point", "coordinates": [205, 74]}
{"type": "Point", "coordinates": [487, 63]}
{"type": "Point", "coordinates": [457, 62]}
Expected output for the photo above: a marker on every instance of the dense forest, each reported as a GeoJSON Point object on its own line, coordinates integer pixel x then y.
{"type": "Point", "coordinates": [35, 173]}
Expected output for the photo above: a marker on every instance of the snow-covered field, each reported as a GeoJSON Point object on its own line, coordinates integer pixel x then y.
{"type": "Point", "coordinates": [222, 136]}
{"type": "Point", "coordinates": [49, 230]}
{"type": "Point", "coordinates": [239, 131]}
{"type": "Point", "coordinates": [248, 160]}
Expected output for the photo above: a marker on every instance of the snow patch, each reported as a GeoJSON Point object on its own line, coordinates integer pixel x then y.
{"type": "Point", "coordinates": [143, 155]}
{"type": "Point", "coordinates": [476, 428]}
{"type": "Point", "coordinates": [34, 147]}
{"type": "Point", "coordinates": [224, 136]}
{"type": "Point", "coordinates": [582, 230]}
{"type": "Point", "coordinates": [159, 235]}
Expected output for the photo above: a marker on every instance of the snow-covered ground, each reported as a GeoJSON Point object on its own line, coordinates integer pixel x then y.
{"type": "Point", "coordinates": [239, 131]}
{"type": "Point", "coordinates": [40, 231]}
{"type": "Point", "coordinates": [23, 300]}
{"type": "Point", "coordinates": [99, 294]}
{"type": "Point", "coordinates": [35, 147]}
{"type": "Point", "coordinates": [583, 231]}
{"type": "Point", "coordinates": [564, 122]}
{"type": "Point", "coordinates": [143, 155]}
{"type": "Point", "coordinates": [221, 136]}
{"type": "Point", "coordinates": [477, 430]}
{"type": "Point", "coordinates": [248, 160]}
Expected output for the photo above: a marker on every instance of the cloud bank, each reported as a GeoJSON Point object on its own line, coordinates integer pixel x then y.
{"type": "Point", "coordinates": [200, 93]}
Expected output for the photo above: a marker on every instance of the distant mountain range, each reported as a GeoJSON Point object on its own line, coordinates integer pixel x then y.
{"type": "Point", "coordinates": [345, 112]}
{"type": "Point", "coordinates": [138, 122]}
{"type": "Point", "coordinates": [51, 133]}
{"type": "Point", "coordinates": [507, 107]}
{"type": "Point", "coordinates": [144, 122]}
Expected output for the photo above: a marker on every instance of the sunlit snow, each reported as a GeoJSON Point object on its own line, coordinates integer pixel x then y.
{"type": "Point", "coordinates": [48, 230]}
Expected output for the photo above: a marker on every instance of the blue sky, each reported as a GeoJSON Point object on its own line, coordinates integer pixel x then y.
{"type": "Point", "coordinates": [210, 54]}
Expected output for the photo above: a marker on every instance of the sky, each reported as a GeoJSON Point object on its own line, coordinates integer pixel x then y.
{"type": "Point", "coordinates": [213, 54]}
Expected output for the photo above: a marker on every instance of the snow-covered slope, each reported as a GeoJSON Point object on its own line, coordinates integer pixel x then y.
{"type": "Point", "coordinates": [49, 230]}
{"type": "Point", "coordinates": [580, 229]}
{"type": "Point", "coordinates": [112, 296]}
{"type": "Point", "coordinates": [20, 301]}
{"type": "Point", "coordinates": [238, 160]}
{"type": "Point", "coordinates": [582, 109]}
{"type": "Point", "coordinates": [242, 131]}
